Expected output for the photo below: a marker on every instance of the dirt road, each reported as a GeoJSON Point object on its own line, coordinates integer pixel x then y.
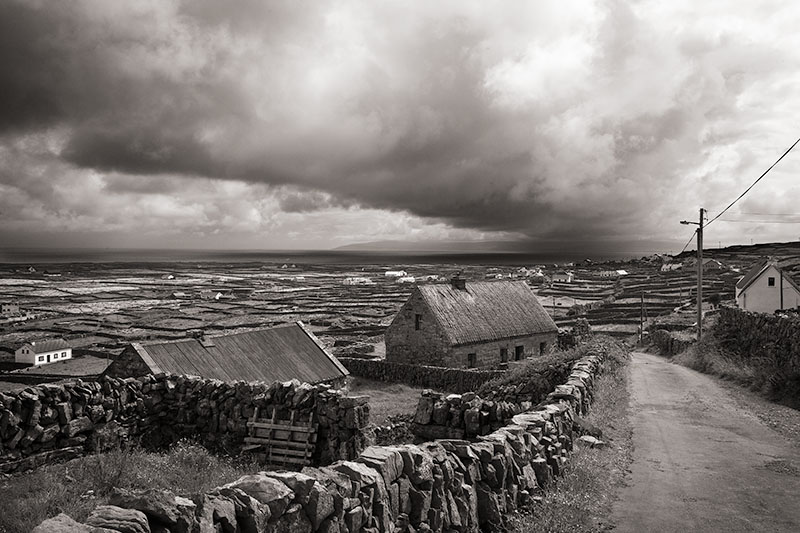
{"type": "Point", "coordinates": [700, 462]}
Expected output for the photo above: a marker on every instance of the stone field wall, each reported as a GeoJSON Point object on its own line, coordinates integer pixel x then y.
{"type": "Point", "coordinates": [448, 379]}
{"type": "Point", "coordinates": [759, 334]}
{"type": "Point", "coordinates": [59, 421]}
{"type": "Point", "coordinates": [445, 485]}
{"type": "Point", "coordinates": [668, 343]}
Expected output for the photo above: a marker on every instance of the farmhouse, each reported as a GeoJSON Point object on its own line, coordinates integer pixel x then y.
{"type": "Point", "coordinates": [43, 352]}
{"type": "Point", "coordinates": [476, 324]}
{"type": "Point", "coordinates": [563, 277]}
{"type": "Point", "coordinates": [766, 288]}
{"type": "Point", "coordinates": [281, 353]}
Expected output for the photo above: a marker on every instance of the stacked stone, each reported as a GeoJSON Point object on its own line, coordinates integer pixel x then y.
{"type": "Point", "coordinates": [446, 485]}
{"type": "Point", "coordinates": [448, 379]}
{"type": "Point", "coordinates": [57, 421]}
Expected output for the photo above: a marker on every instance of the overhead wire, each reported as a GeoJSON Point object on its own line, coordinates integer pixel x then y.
{"type": "Point", "coordinates": [688, 242]}
{"type": "Point", "coordinates": [754, 183]}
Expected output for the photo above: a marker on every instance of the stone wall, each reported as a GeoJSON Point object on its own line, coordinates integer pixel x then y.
{"type": "Point", "coordinates": [487, 354]}
{"type": "Point", "coordinates": [406, 344]}
{"type": "Point", "coordinates": [458, 416]}
{"type": "Point", "coordinates": [447, 485]}
{"type": "Point", "coordinates": [669, 343]}
{"type": "Point", "coordinates": [440, 378]}
{"type": "Point", "coordinates": [56, 421]}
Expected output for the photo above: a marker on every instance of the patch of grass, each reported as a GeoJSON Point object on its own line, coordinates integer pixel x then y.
{"type": "Point", "coordinates": [78, 486]}
{"type": "Point", "coordinates": [581, 500]}
{"type": "Point", "coordinates": [386, 399]}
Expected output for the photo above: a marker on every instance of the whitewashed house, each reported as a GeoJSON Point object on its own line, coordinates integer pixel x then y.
{"type": "Point", "coordinates": [395, 273]}
{"type": "Point", "coordinates": [43, 352]}
{"type": "Point", "coordinates": [563, 277]}
{"type": "Point", "coordinates": [766, 289]}
{"type": "Point", "coordinates": [9, 308]}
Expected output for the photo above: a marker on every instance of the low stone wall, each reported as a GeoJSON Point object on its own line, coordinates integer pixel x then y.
{"type": "Point", "coordinates": [759, 334]}
{"type": "Point", "coordinates": [457, 416]}
{"type": "Point", "coordinates": [440, 378]}
{"type": "Point", "coordinates": [58, 421]}
{"type": "Point", "coordinates": [668, 343]}
{"type": "Point", "coordinates": [447, 485]}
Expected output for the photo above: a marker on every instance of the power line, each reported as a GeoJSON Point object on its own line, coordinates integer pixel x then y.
{"type": "Point", "coordinates": [771, 214]}
{"type": "Point", "coordinates": [688, 242]}
{"type": "Point", "coordinates": [754, 183]}
{"type": "Point", "coordinates": [762, 221]}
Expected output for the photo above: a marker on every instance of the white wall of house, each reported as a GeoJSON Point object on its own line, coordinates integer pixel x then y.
{"type": "Point", "coordinates": [26, 354]}
{"type": "Point", "coordinates": [764, 296]}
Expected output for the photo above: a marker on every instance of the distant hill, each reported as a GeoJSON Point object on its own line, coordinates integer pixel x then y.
{"type": "Point", "coordinates": [432, 246]}
{"type": "Point", "coordinates": [742, 251]}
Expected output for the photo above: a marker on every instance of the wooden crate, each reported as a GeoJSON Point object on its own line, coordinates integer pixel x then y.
{"type": "Point", "coordinates": [280, 442]}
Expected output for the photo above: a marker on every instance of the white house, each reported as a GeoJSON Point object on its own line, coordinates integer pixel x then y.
{"type": "Point", "coordinates": [669, 267]}
{"type": "Point", "coordinates": [43, 352]}
{"type": "Point", "coordinates": [9, 308]}
{"type": "Point", "coordinates": [766, 288]}
{"type": "Point", "coordinates": [563, 277]}
{"type": "Point", "coordinates": [395, 273]}
{"type": "Point", "coordinates": [358, 281]}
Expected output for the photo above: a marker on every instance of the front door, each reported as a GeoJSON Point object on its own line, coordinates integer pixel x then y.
{"type": "Point", "coordinates": [48, 358]}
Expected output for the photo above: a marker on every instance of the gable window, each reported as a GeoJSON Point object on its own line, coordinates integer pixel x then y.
{"type": "Point", "coordinates": [472, 360]}
{"type": "Point", "coordinates": [771, 281]}
{"type": "Point", "coordinates": [519, 353]}
{"type": "Point", "coordinates": [503, 355]}
{"type": "Point", "coordinates": [417, 320]}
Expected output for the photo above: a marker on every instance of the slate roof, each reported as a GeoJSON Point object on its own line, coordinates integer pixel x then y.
{"type": "Point", "coordinates": [487, 311]}
{"type": "Point", "coordinates": [276, 354]}
{"type": "Point", "coordinates": [85, 366]}
{"type": "Point", "coordinates": [755, 272]}
{"type": "Point", "coordinates": [48, 345]}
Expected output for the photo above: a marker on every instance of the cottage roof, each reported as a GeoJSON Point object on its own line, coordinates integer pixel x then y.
{"type": "Point", "coordinates": [275, 354]}
{"type": "Point", "coordinates": [758, 269]}
{"type": "Point", "coordinates": [486, 311]}
{"type": "Point", "coordinates": [47, 345]}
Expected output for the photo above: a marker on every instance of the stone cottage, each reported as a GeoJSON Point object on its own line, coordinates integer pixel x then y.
{"type": "Point", "coordinates": [470, 325]}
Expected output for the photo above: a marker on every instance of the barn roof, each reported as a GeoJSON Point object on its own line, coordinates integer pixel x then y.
{"type": "Point", "coordinates": [276, 354]}
{"type": "Point", "coordinates": [486, 311]}
{"type": "Point", "coordinates": [758, 269]}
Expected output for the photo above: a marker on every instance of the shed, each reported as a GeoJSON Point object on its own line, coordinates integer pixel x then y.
{"type": "Point", "coordinates": [475, 324]}
{"type": "Point", "coordinates": [281, 353]}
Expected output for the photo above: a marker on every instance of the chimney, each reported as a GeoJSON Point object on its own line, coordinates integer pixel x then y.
{"type": "Point", "coordinates": [458, 282]}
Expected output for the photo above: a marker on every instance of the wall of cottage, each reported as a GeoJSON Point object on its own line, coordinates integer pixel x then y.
{"type": "Point", "coordinates": [447, 485]}
{"type": "Point", "coordinates": [487, 354]}
{"type": "Point", "coordinates": [441, 378]}
{"type": "Point", "coordinates": [406, 344]}
{"type": "Point", "coordinates": [57, 421]}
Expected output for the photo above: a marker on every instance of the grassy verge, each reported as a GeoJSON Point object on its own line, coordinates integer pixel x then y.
{"type": "Point", "coordinates": [386, 399]}
{"type": "Point", "coordinates": [581, 500]}
{"type": "Point", "coordinates": [78, 486]}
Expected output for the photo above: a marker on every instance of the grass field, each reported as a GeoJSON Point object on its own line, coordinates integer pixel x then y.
{"type": "Point", "coordinates": [386, 399]}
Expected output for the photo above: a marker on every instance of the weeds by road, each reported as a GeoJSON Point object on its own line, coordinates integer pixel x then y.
{"type": "Point", "coordinates": [581, 500]}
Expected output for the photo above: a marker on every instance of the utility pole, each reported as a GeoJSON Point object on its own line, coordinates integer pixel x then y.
{"type": "Point", "coordinates": [699, 271]}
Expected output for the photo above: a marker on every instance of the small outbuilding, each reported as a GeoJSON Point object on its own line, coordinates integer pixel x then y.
{"type": "Point", "coordinates": [281, 353]}
{"type": "Point", "coordinates": [469, 325]}
{"type": "Point", "coordinates": [767, 288]}
{"type": "Point", "coordinates": [43, 351]}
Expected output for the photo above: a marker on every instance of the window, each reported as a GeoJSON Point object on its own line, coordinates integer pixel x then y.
{"type": "Point", "coordinates": [63, 354]}
{"type": "Point", "coordinates": [771, 282]}
{"type": "Point", "coordinates": [519, 353]}
{"type": "Point", "coordinates": [417, 319]}
{"type": "Point", "coordinates": [472, 360]}
{"type": "Point", "coordinates": [55, 356]}
{"type": "Point", "coordinates": [503, 355]}
{"type": "Point", "coordinates": [542, 348]}
{"type": "Point", "coordinates": [41, 359]}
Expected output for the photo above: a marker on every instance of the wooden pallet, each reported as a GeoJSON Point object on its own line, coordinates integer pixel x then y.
{"type": "Point", "coordinates": [279, 442]}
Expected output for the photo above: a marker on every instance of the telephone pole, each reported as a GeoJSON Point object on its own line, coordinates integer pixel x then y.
{"type": "Point", "coordinates": [699, 271]}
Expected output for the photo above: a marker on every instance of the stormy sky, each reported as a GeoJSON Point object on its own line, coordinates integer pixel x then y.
{"type": "Point", "coordinates": [313, 124]}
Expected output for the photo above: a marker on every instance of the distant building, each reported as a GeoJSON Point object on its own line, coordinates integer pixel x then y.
{"type": "Point", "coordinates": [613, 274]}
{"type": "Point", "coordinates": [276, 354]}
{"type": "Point", "coordinates": [357, 281]}
{"type": "Point", "coordinates": [766, 288]}
{"type": "Point", "coordinates": [208, 294]}
{"type": "Point", "coordinates": [395, 273]}
{"type": "Point", "coordinates": [669, 267]}
{"type": "Point", "coordinates": [466, 325]}
{"type": "Point", "coordinates": [9, 309]}
{"type": "Point", "coordinates": [407, 279]}
{"type": "Point", "coordinates": [563, 277]}
{"type": "Point", "coordinates": [713, 264]}
{"type": "Point", "coordinates": [43, 352]}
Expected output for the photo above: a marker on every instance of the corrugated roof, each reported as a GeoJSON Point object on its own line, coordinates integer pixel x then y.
{"type": "Point", "coordinates": [487, 311]}
{"type": "Point", "coordinates": [48, 345]}
{"type": "Point", "coordinates": [276, 354]}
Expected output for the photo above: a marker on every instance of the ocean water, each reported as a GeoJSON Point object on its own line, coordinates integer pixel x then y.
{"type": "Point", "coordinates": [34, 256]}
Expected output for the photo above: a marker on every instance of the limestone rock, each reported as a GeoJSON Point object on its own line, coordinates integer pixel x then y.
{"type": "Point", "coordinates": [161, 506]}
{"type": "Point", "coordinates": [118, 519]}
{"type": "Point", "coordinates": [266, 490]}
{"type": "Point", "coordinates": [61, 523]}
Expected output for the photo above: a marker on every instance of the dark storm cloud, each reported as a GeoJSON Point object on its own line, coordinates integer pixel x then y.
{"type": "Point", "coordinates": [533, 120]}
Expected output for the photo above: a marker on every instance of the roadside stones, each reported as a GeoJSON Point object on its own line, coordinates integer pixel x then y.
{"type": "Point", "coordinates": [160, 506]}
{"type": "Point", "coordinates": [591, 442]}
{"type": "Point", "coordinates": [61, 523]}
{"type": "Point", "coordinates": [267, 490]}
{"type": "Point", "coordinates": [116, 518]}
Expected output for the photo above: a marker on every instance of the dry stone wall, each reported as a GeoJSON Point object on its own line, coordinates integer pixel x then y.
{"type": "Point", "coordinates": [59, 421]}
{"type": "Point", "coordinates": [449, 379]}
{"type": "Point", "coordinates": [445, 485]}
